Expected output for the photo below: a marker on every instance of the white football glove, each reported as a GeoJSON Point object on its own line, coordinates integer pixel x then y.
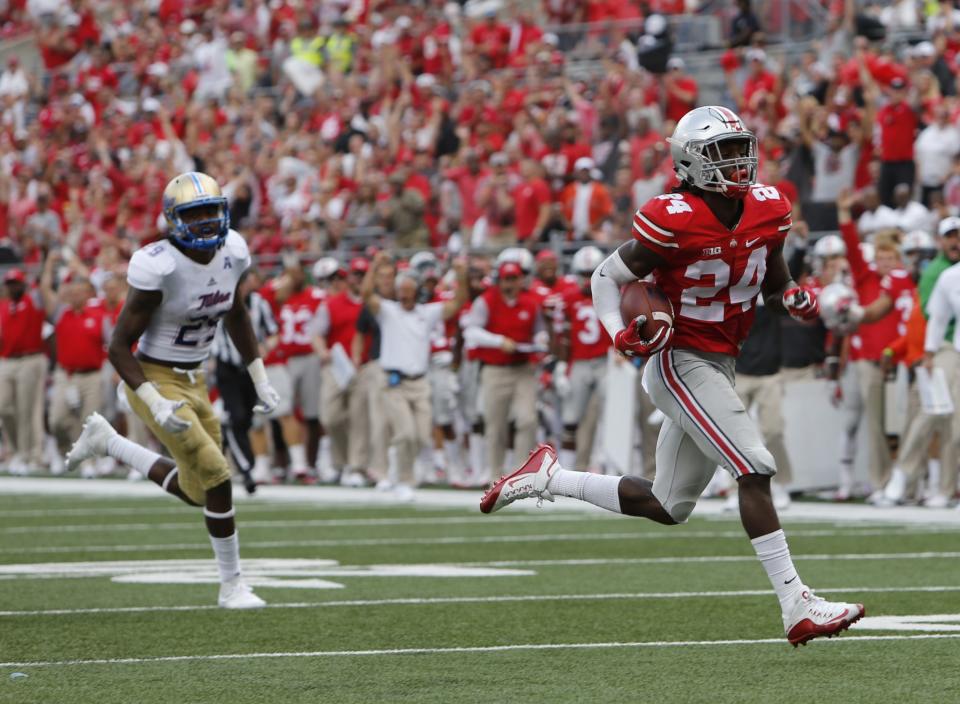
{"type": "Point", "coordinates": [269, 398]}
{"type": "Point", "coordinates": [163, 409]}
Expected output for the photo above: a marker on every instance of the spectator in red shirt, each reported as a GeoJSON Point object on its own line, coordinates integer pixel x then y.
{"type": "Point", "coordinates": [897, 121]}
{"type": "Point", "coordinates": [531, 198]}
{"type": "Point", "coordinates": [491, 40]}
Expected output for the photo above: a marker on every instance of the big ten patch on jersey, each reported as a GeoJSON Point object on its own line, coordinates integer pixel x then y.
{"type": "Point", "coordinates": [712, 273]}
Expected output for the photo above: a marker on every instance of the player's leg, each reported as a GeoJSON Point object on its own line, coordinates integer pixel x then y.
{"type": "Point", "coordinates": [379, 433]}
{"type": "Point", "coordinates": [497, 391]}
{"type": "Point", "coordinates": [714, 416]}
{"type": "Point", "coordinates": [768, 397]}
{"type": "Point", "coordinates": [403, 433]}
{"type": "Point", "coordinates": [358, 454]}
{"type": "Point", "coordinates": [238, 396]}
{"type": "Point", "coordinates": [852, 406]}
{"type": "Point", "coordinates": [333, 416]}
{"type": "Point", "coordinates": [871, 390]}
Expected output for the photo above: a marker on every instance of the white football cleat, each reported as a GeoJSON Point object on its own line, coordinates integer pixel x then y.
{"type": "Point", "coordinates": [236, 594]}
{"type": "Point", "coordinates": [530, 480]}
{"type": "Point", "coordinates": [812, 617]}
{"type": "Point", "coordinates": [92, 442]}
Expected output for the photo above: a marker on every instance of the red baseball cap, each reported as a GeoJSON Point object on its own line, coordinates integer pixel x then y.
{"type": "Point", "coordinates": [509, 269]}
{"type": "Point", "coordinates": [545, 255]}
{"type": "Point", "coordinates": [15, 275]}
{"type": "Point", "coordinates": [359, 265]}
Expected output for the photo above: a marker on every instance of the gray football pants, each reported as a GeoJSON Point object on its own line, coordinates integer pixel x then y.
{"type": "Point", "coordinates": [706, 425]}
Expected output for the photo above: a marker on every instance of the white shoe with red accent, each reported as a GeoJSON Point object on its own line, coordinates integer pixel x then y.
{"type": "Point", "coordinates": [530, 480]}
{"type": "Point", "coordinates": [812, 617]}
{"type": "Point", "coordinates": [236, 594]}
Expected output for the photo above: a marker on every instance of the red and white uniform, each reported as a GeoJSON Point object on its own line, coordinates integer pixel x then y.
{"type": "Point", "coordinates": [713, 274]}
{"type": "Point", "coordinates": [551, 295]}
{"type": "Point", "coordinates": [588, 338]}
{"type": "Point", "coordinates": [82, 338]}
{"type": "Point", "coordinates": [870, 339]}
{"type": "Point", "coordinates": [297, 318]}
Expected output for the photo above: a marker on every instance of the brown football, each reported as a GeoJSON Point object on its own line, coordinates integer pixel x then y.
{"type": "Point", "coordinates": [644, 298]}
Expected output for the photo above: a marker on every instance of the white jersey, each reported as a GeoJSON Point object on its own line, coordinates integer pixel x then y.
{"type": "Point", "coordinates": [195, 296]}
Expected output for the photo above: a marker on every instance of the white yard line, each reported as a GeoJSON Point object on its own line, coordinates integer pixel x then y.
{"type": "Point", "coordinates": [467, 649]}
{"type": "Point", "coordinates": [444, 600]}
{"type": "Point", "coordinates": [594, 561]}
{"type": "Point", "coordinates": [340, 497]}
{"type": "Point", "coordinates": [677, 534]}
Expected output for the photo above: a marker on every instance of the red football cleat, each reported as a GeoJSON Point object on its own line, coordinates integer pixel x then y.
{"type": "Point", "coordinates": [812, 617]}
{"type": "Point", "coordinates": [530, 480]}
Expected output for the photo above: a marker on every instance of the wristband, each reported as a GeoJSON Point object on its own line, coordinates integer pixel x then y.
{"type": "Point", "coordinates": [148, 394]}
{"type": "Point", "coordinates": [258, 373]}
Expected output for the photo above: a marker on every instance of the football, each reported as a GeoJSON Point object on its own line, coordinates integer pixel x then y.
{"type": "Point", "coordinates": [644, 298]}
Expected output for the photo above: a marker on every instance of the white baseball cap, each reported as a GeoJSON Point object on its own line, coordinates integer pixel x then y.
{"type": "Point", "coordinates": [948, 225]}
{"type": "Point", "coordinates": [584, 162]}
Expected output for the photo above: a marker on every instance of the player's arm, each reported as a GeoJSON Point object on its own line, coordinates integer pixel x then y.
{"type": "Point", "coordinates": [368, 289]}
{"type": "Point", "coordinates": [630, 262]}
{"type": "Point", "coordinates": [238, 326]}
{"type": "Point", "coordinates": [782, 294]}
{"type": "Point", "coordinates": [134, 318]}
{"type": "Point", "coordinates": [883, 304]}
{"type": "Point", "coordinates": [940, 313]}
{"type": "Point", "coordinates": [453, 306]}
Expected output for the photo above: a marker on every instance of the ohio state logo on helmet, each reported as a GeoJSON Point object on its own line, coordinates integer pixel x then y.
{"type": "Point", "coordinates": [702, 158]}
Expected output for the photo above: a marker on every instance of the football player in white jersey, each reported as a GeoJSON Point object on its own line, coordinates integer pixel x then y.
{"type": "Point", "coordinates": [180, 288]}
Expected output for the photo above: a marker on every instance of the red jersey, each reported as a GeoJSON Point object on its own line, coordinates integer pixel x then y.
{"type": "Point", "coordinates": [342, 313]}
{"type": "Point", "coordinates": [898, 129]}
{"type": "Point", "coordinates": [551, 296]}
{"type": "Point", "coordinates": [712, 274]}
{"type": "Point", "coordinates": [296, 318]}
{"type": "Point", "coordinates": [870, 339]}
{"type": "Point", "coordinates": [21, 327]}
{"type": "Point", "coordinates": [516, 320]}
{"type": "Point", "coordinates": [588, 338]}
{"type": "Point", "coordinates": [82, 338]}
{"type": "Point", "coordinates": [528, 198]}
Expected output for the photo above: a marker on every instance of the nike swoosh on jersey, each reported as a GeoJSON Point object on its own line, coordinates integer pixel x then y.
{"type": "Point", "coordinates": [750, 243]}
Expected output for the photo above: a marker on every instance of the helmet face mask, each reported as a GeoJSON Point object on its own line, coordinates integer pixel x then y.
{"type": "Point", "coordinates": [712, 150]}
{"type": "Point", "coordinates": [196, 211]}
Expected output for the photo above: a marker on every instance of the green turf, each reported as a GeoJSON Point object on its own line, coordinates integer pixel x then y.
{"type": "Point", "coordinates": [568, 554]}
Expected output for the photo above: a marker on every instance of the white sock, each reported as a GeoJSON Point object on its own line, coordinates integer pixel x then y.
{"type": "Point", "coordinates": [598, 489]}
{"type": "Point", "coordinates": [323, 455]}
{"type": "Point", "coordinates": [227, 552]}
{"type": "Point", "coordinates": [298, 457]}
{"type": "Point", "coordinates": [478, 456]}
{"type": "Point", "coordinates": [568, 458]}
{"type": "Point", "coordinates": [439, 459]}
{"type": "Point", "coordinates": [775, 557]}
{"type": "Point", "coordinates": [131, 454]}
{"type": "Point", "coordinates": [451, 449]}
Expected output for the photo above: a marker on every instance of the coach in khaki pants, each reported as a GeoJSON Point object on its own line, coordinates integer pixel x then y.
{"type": "Point", "coordinates": [501, 326]}
{"type": "Point", "coordinates": [405, 333]}
{"type": "Point", "coordinates": [23, 371]}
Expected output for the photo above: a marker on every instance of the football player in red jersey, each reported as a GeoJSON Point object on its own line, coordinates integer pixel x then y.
{"type": "Point", "coordinates": [582, 346]}
{"type": "Point", "coordinates": [713, 246]}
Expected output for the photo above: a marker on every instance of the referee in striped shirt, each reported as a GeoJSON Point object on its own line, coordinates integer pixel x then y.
{"type": "Point", "coordinates": [234, 383]}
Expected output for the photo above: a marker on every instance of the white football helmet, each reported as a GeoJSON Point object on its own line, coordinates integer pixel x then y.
{"type": "Point", "coordinates": [918, 241]}
{"type": "Point", "coordinates": [586, 260]}
{"type": "Point", "coordinates": [324, 268]}
{"type": "Point", "coordinates": [195, 190]}
{"type": "Point", "coordinates": [836, 302]}
{"type": "Point", "coordinates": [697, 158]}
{"type": "Point", "coordinates": [519, 255]}
{"type": "Point", "coordinates": [829, 246]}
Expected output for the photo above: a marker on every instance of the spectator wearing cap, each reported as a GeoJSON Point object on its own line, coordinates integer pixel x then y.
{"type": "Point", "coordinates": [681, 90]}
{"type": "Point", "coordinates": [940, 296]}
{"type": "Point", "coordinates": [897, 122]}
{"type": "Point", "coordinates": [342, 405]}
{"type": "Point", "coordinates": [23, 371]}
{"type": "Point", "coordinates": [81, 328]}
{"type": "Point", "coordinates": [585, 203]}
{"type": "Point", "coordinates": [937, 145]}
{"type": "Point", "coordinates": [501, 327]}
{"type": "Point", "coordinates": [403, 214]}
{"type": "Point", "coordinates": [406, 329]}
{"type": "Point", "coordinates": [531, 198]}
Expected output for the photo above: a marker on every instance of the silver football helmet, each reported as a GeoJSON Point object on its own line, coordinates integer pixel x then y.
{"type": "Point", "coordinates": [838, 303]}
{"type": "Point", "coordinates": [518, 255]}
{"type": "Point", "coordinates": [697, 156]}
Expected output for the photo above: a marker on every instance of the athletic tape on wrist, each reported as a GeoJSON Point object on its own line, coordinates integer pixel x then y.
{"type": "Point", "coordinates": [169, 478]}
{"type": "Point", "coordinates": [213, 514]}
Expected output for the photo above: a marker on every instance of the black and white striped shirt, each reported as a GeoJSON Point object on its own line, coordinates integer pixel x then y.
{"type": "Point", "coordinates": [262, 321]}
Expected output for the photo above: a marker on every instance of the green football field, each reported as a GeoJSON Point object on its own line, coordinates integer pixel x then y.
{"type": "Point", "coordinates": [112, 600]}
